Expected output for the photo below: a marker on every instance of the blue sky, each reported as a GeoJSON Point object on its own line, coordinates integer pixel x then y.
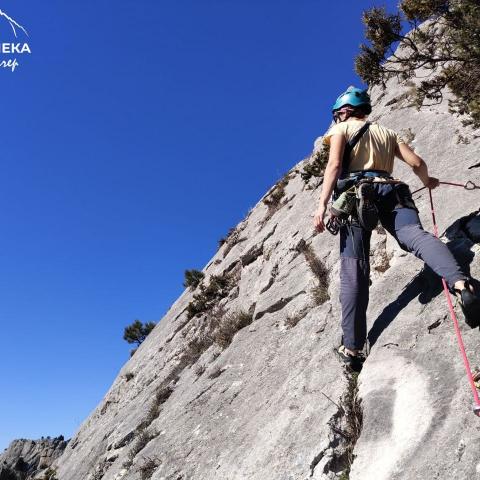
{"type": "Point", "coordinates": [132, 138]}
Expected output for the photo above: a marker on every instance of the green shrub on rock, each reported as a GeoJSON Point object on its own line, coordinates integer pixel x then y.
{"type": "Point", "coordinates": [193, 278]}
{"type": "Point", "coordinates": [445, 49]}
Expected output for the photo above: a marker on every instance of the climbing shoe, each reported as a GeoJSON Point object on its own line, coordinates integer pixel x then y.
{"type": "Point", "coordinates": [470, 304]}
{"type": "Point", "coordinates": [352, 362]}
{"type": "Point", "coordinates": [367, 210]}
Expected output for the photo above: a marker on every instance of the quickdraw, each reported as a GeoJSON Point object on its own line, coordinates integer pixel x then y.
{"type": "Point", "coordinates": [334, 223]}
{"type": "Point", "coordinates": [467, 186]}
{"type": "Point", "coordinates": [345, 204]}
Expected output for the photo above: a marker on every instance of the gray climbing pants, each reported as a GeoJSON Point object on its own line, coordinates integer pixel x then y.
{"type": "Point", "coordinates": [404, 224]}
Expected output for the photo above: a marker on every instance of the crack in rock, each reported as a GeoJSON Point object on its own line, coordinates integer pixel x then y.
{"type": "Point", "coordinates": [269, 234]}
{"type": "Point", "coordinates": [435, 324]}
{"type": "Point", "coordinates": [177, 316]}
{"type": "Point", "coordinates": [125, 440]}
{"type": "Point", "coordinates": [180, 327]}
{"type": "Point", "coordinates": [273, 275]}
{"type": "Point", "coordinates": [345, 428]}
{"type": "Point", "coordinates": [316, 460]}
{"type": "Point", "coordinates": [256, 250]}
{"type": "Point", "coordinates": [205, 390]}
{"type": "Point", "coordinates": [252, 254]}
{"type": "Point", "coordinates": [277, 305]}
{"type": "Point", "coordinates": [231, 266]}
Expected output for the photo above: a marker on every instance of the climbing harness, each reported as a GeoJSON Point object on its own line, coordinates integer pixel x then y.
{"type": "Point", "coordinates": [476, 406]}
{"type": "Point", "coordinates": [355, 199]}
{"type": "Point", "coordinates": [344, 207]}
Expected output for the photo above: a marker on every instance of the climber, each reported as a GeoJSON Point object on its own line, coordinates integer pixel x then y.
{"type": "Point", "coordinates": [360, 163]}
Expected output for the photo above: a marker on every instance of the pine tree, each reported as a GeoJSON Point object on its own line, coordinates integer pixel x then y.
{"type": "Point", "coordinates": [443, 45]}
{"type": "Point", "coordinates": [137, 332]}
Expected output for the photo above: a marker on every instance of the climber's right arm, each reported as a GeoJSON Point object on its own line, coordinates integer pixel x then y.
{"type": "Point", "coordinates": [419, 167]}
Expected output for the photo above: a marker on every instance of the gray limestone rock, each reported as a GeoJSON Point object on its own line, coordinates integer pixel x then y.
{"type": "Point", "coordinates": [29, 459]}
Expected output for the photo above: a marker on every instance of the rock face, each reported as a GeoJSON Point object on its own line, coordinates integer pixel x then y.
{"type": "Point", "coordinates": [239, 380]}
{"type": "Point", "coordinates": [28, 459]}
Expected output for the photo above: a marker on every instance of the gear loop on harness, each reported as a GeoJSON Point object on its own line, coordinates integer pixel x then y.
{"type": "Point", "coordinates": [355, 195]}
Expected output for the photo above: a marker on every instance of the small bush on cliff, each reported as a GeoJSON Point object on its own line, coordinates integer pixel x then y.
{"type": "Point", "coordinates": [195, 347]}
{"type": "Point", "coordinates": [320, 291]}
{"type": "Point", "coordinates": [141, 441]}
{"type": "Point", "coordinates": [274, 197]}
{"type": "Point", "coordinates": [446, 46]}
{"type": "Point", "coordinates": [209, 295]}
{"type": "Point", "coordinates": [144, 437]}
{"type": "Point", "coordinates": [218, 327]}
{"type": "Point", "coordinates": [292, 320]}
{"type": "Point", "coordinates": [230, 325]}
{"type": "Point", "coordinates": [351, 404]}
{"type": "Point", "coordinates": [193, 278]}
{"type": "Point", "coordinates": [277, 193]}
{"type": "Point", "coordinates": [200, 370]}
{"type": "Point", "coordinates": [50, 474]}
{"type": "Point", "coordinates": [232, 233]}
{"type": "Point", "coordinates": [316, 166]}
{"type": "Point", "coordinates": [137, 332]}
{"type": "Point", "coordinates": [161, 396]}
{"type": "Point", "coordinates": [148, 467]}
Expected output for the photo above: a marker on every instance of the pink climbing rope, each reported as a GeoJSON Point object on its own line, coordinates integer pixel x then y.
{"type": "Point", "coordinates": [476, 407]}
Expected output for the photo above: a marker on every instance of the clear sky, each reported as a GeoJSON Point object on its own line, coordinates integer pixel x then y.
{"type": "Point", "coordinates": [132, 138]}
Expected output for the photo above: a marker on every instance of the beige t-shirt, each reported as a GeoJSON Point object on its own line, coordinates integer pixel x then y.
{"type": "Point", "coordinates": [374, 151]}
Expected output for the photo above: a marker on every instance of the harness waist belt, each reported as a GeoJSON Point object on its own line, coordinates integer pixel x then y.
{"type": "Point", "coordinates": [369, 173]}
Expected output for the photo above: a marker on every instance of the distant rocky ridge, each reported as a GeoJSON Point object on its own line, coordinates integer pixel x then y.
{"type": "Point", "coordinates": [31, 459]}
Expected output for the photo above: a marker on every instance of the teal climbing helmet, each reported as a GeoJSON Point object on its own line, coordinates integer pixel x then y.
{"type": "Point", "coordinates": [354, 97]}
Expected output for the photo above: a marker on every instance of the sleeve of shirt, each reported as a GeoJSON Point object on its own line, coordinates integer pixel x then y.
{"type": "Point", "coordinates": [334, 130]}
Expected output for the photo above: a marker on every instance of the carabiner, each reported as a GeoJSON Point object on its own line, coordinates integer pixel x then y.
{"type": "Point", "coordinates": [332, 225]}
{"type": "Point", "coordinates": [470, 186]}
